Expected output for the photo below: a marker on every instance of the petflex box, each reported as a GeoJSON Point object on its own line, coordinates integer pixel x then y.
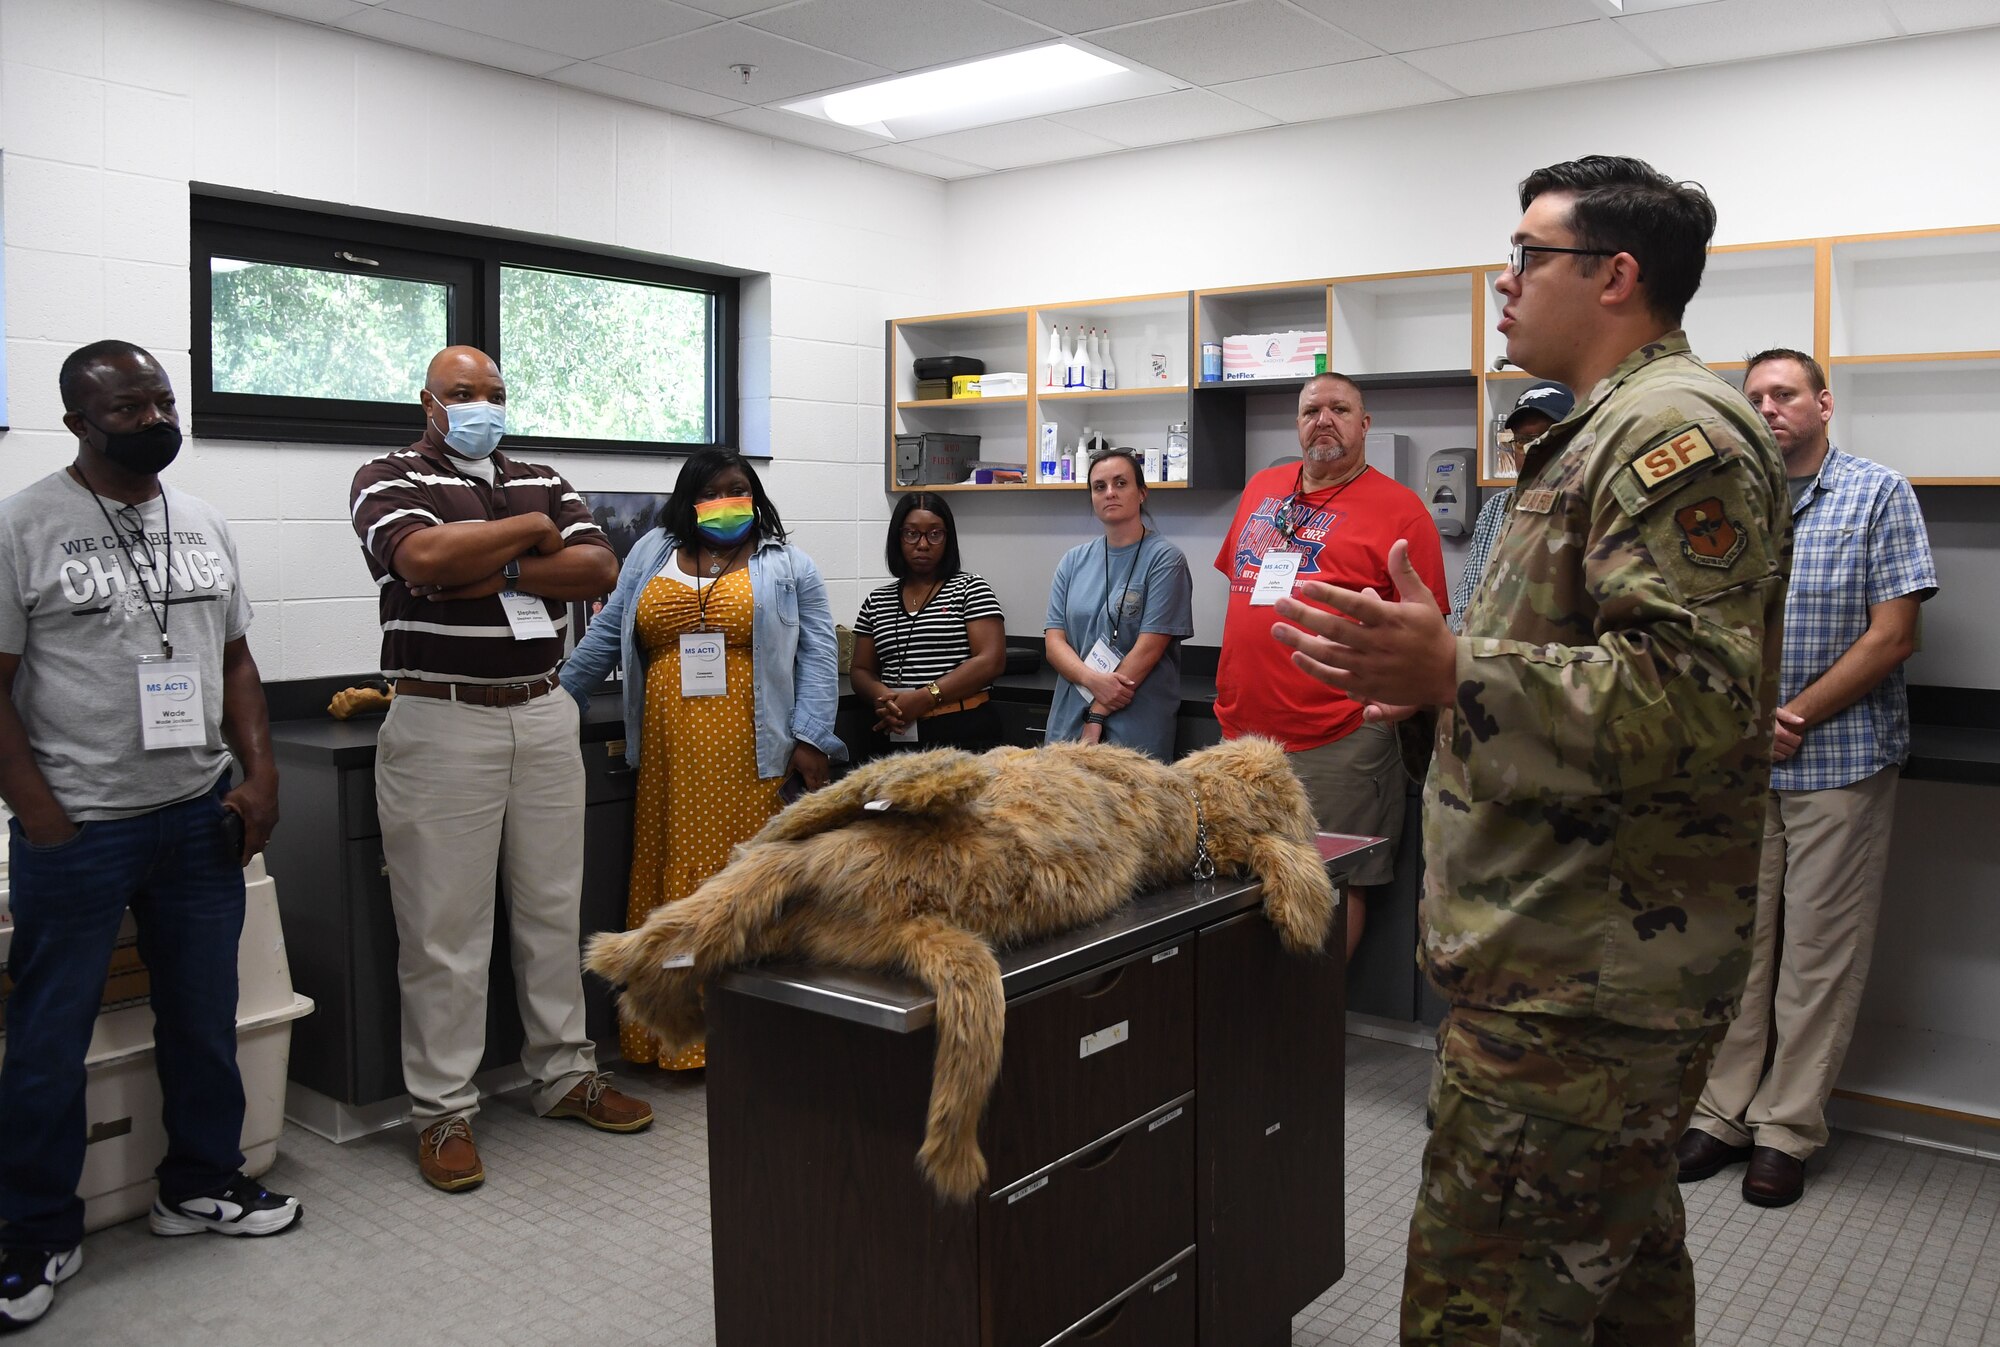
{"type": "Point", "coordinates": [1272, 355]}
{"type": "Point", "coordinates": [125, 1139]}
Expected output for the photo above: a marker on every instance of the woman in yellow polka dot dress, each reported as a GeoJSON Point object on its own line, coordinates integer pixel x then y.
{"type": "Point", "coordinates": [730, 687]}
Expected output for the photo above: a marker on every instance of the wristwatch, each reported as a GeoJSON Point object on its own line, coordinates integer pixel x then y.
{"type": "Point", "coordinates": [511, 572]}
{"type": "Point", "coordinates": [937, 696]}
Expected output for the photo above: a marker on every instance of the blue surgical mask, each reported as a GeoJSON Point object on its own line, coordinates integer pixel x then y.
{"type": "Point", "coordinates": [475, 427]}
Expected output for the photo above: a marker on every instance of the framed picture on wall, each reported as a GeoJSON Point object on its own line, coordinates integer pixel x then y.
{"type": "Point", "coordinates": [625, 517]}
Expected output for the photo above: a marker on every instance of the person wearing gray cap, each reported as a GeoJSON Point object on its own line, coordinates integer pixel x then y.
{"type": "Point", "coordinates": [1540, 407]}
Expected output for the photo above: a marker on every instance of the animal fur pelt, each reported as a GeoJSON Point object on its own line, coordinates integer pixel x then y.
{"type": "Point", "coordinates": [969, 853]}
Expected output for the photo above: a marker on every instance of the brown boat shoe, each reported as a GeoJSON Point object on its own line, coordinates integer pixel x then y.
{"type": "Point", "coordinates": [608, 1110]}
{"type": "Point", "coordinates": [447, 1158]}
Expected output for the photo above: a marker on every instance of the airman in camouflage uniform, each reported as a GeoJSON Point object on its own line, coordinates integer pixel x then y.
{"type": "Point", "coordinates": [1591, 833]}
{"type": "Point", "coordinates": [1593, 813]}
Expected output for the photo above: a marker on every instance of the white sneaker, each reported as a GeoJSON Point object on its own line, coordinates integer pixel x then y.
{"type": "Point", "coordinates": [28, 1281]}
{"type": "Point", "coordinates": [242, 1206]}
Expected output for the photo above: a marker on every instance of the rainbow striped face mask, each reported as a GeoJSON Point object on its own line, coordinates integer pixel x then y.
{"type": "Point", "coordinates": [725, 522]}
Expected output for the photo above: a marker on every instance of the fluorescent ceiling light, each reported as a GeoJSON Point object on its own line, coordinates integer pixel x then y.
{"type": "Point", "coordinates": [1645, 6]}
{"type": "Point", "coordinates": [1055, 77]}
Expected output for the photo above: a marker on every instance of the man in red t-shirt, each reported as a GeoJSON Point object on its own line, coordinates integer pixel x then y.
{"type": "Point", "coordinates": [1339, 518]}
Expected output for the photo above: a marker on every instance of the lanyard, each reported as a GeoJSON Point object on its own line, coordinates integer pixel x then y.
{"type": "Point", "coordinates": [1288, 516]}
{"type": "Point", "coordinates": [904, 636]}
{"type": "Point", "coordinates": [701, 590]}
{"type": "Point", "coordinates": [1105, 603]}
{"type": "Point", "coordinates": [138, 571]}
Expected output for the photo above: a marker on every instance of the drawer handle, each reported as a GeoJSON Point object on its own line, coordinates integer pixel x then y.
{"type": "Point", "coordinates": [1102, 1156]}
{"type": "Point", "coordinates": [1105, 982]}
{"type": "Point", "coordinates": [1104, 1323]}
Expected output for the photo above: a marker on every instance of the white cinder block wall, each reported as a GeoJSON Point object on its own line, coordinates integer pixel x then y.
{"type": "Point", "coordinates": [111, 107]}
{"type": "Point", "coordinates": [1867, 139]}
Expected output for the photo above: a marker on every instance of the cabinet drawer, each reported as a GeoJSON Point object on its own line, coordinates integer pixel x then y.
{"type": "Point", "coordinates": [1157, 1312]}
{"type": "Point", "coordinates": [1086, 1056]}
{"type": "Point", "coordinates": [1061, 1245]}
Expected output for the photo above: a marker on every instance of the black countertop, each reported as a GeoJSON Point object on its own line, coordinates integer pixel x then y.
{"type": "Point", "coordinates": [1961, 751]}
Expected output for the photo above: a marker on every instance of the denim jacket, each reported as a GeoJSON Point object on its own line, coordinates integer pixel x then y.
{"type": "Point", "coordinates": [791, 644]}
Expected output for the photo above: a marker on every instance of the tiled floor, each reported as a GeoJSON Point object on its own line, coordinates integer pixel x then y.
{"type": "Point", "coordinates": [583, 1237]}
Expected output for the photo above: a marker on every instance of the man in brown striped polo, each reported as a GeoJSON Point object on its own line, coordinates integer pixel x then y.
{"type": "Point", "coordinates": [478, 768]}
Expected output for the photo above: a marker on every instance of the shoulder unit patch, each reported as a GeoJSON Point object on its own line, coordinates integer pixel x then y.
{"type": "Point", "coordinates": [1709, 537]}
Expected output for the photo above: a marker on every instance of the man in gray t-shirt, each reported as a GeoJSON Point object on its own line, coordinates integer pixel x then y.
{"type": "Point", "coordinates": [124, 667]}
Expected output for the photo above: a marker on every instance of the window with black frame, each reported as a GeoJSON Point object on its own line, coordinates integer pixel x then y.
{"type": "Point", "coordinates": [312, 326]}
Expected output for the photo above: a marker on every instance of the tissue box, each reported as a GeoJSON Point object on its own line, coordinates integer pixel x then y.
{"type": "Point", "coordinates": [1271, 355]}
{"type": "Point", "coordinates": [989, 385]}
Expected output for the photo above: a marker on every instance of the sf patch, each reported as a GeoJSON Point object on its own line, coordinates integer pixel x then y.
{"type": "Point", "coordinates": [1673, 457]}
{"type": "Point", "coordinates": [1709, 537]}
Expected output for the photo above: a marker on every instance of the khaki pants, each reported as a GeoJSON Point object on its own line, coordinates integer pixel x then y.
{"type": "Point", "coordinates": [1549, 1215]}
{"type": "Point", "coordinates": [464, 791]}
{"type": "Point", "coordinates": [1356, 785]}
{"type": "Point", "coordinates": [1826, 853]}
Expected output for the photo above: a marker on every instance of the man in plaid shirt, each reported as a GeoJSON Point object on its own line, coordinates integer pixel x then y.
{"type": "Point", "coordinates": [1861, 566]}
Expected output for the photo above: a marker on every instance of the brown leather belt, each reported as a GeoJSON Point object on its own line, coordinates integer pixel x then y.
{"type": "Point", "coordinates": [478, 694]}
{"type": "Point", "coordinates": [946, 708]}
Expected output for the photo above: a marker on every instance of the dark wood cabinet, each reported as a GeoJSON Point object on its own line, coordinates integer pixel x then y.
{"type": "Point", "coordinates": [1163, 1146]}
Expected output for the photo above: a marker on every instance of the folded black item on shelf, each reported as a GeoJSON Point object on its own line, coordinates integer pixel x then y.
{"type": "Point", "coordinates": [1023, 659]}
{"type": "Point", "coordinates": [945, 366]}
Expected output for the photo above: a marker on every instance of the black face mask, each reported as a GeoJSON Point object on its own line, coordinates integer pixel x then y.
{"type": "Point", "coordinates": [144, 452]}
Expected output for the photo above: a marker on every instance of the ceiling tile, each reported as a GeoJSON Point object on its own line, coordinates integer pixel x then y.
{"type": "Point", "coordinates": [899, 36]}
{"type": "Point", "coordinates": [1186, 114]}
{"type": "Point", "coordinates": [1410, 24]}
{"type": "Point", "coordinates": [441, 40]}
{"type": "Point", "coordinates": [1733, 30]}
{"type": "Point", "coordinates": [1337, 91]}
{"type": "Point", "coordinates": [800, 129]}
{"type": "Point", "coordinates": [579, 29]}
{"type": "Point", "coordinates": [1017, 144]}
{"type": "Point", "coordinates": [1936, 16]}
{"type": "Point", "coordinates": [1575, 53]}
{"type": "Point", "coordinates": [638, 89]}
{"type": "Point", "coordinates": [920, 161]}
{"type": "Point", "coordinates": [702, 60]}
{"type": "Point", "coordinates": [734, 9]}
{"type": "Point", "coordinates": [1232, 42]}
{"type": "Point", "coordinates": [314, 11]}
{"type": "Point", "coordinates": [1086, 16]}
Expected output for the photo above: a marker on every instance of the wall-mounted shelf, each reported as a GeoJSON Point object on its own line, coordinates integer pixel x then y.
{"type": "Point", "coordinates": [1908, 326]}
{"type": "Point", "coordinates": [961, 404]}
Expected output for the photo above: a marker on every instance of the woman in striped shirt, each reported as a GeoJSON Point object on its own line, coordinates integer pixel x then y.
{"type": "Point", "coordinates": [928, 646]}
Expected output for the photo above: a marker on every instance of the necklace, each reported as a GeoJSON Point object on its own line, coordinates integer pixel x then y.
{"type": "Point", "coordinates": [716, 563]}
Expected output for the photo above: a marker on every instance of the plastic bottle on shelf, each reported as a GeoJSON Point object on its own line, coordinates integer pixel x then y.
{"type": "Point", "coordinates": [1177, 452]}
{"type": "Point", "coordinates": [1073, 362]}
{"type": "Point", "coordinates": [1107, 369]}
{"type": "Point", "coordinates": [1066, 470]}
{"type": "Point", "coordinates": [1086, 445]}
{"type": "Point", "coordinates": [1086, 360]}
{"type": "Point", "coordinates": [1056, 362]}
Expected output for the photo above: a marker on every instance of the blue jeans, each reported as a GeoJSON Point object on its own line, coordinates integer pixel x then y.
{"type": "Point", "coordinates": [174, 869]}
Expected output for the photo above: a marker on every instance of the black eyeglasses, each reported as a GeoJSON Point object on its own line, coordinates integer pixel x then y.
{"type": "Point", "coordinates": [1517, 260]}
{"type": "Point", "coordinates": [132, 522]}
{"type": "Point", "coordinates": [935, 537]}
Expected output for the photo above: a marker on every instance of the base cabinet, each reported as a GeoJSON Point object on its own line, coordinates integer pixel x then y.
{"type": "Point", "coordinates": [1183, 1185]}
{"type": "Point", "coordinates": [340, 927]}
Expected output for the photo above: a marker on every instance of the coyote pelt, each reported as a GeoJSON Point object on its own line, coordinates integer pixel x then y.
{"type": "Point", "coordinates": [971, 853]}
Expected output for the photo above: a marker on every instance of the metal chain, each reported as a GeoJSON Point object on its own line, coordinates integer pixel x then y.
{"type": "Point", "coordinates": [1204, 859]}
